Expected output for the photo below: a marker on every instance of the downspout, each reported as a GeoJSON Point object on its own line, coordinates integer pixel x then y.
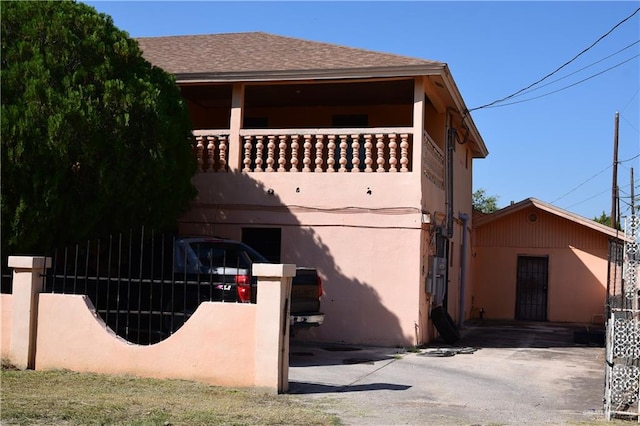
{"type": "Point", "coordinates": [449, 195]}
{"type": "Point", "coordinates": [463, 266]}
{"type": "Point", "coordinates": [448, 231]}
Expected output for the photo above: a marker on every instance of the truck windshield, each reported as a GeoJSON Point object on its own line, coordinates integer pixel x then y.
{"type": "Point", "coordinates": [226, 255]}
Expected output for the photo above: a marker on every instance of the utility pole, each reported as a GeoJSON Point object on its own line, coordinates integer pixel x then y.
{"type": "Point", "coordinates": [614, 187]}
{"type": "Point", "coordinates": [633, 196]}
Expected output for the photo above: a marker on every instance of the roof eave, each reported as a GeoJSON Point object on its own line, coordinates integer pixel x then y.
{"type": "Point", "coordinates": [481, 148]}
{"type": "Point", "coordinates": [317, 74]}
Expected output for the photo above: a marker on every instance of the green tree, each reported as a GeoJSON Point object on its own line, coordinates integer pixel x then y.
{"type": "Point", "coordinates": [95, 139]}
{"type": "Point", "coordinates": [483, 202]}
{"type": "Point", "coordinates": [604, 219]}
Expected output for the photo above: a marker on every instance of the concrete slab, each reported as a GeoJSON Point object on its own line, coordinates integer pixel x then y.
{"type": "Point", "coordinates": [498, 373]}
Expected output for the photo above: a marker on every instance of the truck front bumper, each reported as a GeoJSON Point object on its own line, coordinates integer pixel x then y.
{"type": "Point", "coordinates": [307, 320]}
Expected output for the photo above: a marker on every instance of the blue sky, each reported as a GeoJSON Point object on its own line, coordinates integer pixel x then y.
{"type": "Point", "coordinates": [554, 143]}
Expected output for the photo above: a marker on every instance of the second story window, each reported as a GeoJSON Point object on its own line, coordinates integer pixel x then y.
{"type": "Point", "coordinates": [255, 123]}
{"type": "Point", "coordinates": [350, 120]}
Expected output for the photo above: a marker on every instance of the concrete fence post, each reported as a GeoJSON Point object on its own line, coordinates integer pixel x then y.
{"type": "Point", "coordinates": [272, 325]}
{"type": "Point", "coordinates": [28, 279]}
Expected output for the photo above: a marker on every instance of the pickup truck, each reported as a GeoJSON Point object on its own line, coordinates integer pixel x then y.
{"type": "Point", "coordinates": [221, 269]}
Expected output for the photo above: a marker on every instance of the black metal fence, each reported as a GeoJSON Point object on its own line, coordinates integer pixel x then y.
{"type": "Point", "coordinates": [139, 284]}
{"type": "Point", "coordinates": [6, 278]}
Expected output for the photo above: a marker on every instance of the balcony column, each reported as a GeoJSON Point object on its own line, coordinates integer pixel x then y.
{"type": "Point", "coordinates": [235, 147]}
{"type": "Point", "coordinates": [418, 123]}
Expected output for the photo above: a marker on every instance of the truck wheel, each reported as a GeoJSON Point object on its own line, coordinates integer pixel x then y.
{"type": "Point", "coordinates": [445, 325]}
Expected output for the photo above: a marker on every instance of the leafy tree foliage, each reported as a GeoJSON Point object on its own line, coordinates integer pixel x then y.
{"type": "Point", "coordinates": [483, 202]}
{"type": "Point", "coordinates": [604, 219]}
{"type": "Point", "coordinates": [95, 139]}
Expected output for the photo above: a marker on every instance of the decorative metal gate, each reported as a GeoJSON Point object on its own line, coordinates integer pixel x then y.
{"type": "Point", "coordinates": [622, 380]}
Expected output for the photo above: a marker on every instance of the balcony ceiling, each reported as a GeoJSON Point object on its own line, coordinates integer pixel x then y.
{"type": "Point", "coordinates": [328, 94]}
{"type": "Point", "coordinates": [392, 92]}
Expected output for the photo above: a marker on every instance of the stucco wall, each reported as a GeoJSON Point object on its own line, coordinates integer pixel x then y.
{"type": "Point", "coordinates": [371, 288]}
{"type": "Point", "coordinates": [217, 337]}
{"type": "Point", "coordinates": [226, 344]}
{"type": "Point", "coordinates": [366, 246]}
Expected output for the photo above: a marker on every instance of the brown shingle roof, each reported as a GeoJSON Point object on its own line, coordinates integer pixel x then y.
{"type": "Point", "coordinates": [253, 52]}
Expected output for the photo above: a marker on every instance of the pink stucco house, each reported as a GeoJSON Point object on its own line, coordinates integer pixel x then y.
{"type": "Point", "coordinates": [358, 163]}
{"type": "Point", "coordinates": [533, 261]}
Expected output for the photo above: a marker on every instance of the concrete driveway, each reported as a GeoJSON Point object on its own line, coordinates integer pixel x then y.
{"type": "Point", "coordinates": [498, 373]}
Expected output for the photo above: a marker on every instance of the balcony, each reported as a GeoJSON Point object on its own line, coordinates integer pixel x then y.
{"type": "Point", "coordinates": [309, 150]}
{"type": "Point", "coordinates": [379, 150]}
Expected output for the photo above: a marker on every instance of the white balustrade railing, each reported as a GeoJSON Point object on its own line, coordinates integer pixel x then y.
{"type": "Point", "coordinates": [380, 150]}
{"type": "Point", "coordinates": [211, 150]}
{"type": "Point", "coordinates": [327, 150]}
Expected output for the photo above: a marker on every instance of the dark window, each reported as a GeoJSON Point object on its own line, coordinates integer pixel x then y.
{"type": "Point", "coordinates": [266, 241]}
{"type": "Point", "coordinates": [255, 123]}
{"type": "Point", "coordinates": [350, 120]}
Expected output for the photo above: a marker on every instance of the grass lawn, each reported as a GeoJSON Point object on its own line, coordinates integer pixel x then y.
{"type": "Point", "coordinates": [63, 397]}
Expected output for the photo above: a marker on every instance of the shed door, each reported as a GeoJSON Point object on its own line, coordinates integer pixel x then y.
{"type": "Point", "coordinates": [531, 288]}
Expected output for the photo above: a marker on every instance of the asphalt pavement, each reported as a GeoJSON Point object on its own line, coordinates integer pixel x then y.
{"type": "Point", "coordinates": [496, 374]}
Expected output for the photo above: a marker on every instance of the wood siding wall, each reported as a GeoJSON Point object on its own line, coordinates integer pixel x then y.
{"type": "Point", "coordinates": [547, 231]}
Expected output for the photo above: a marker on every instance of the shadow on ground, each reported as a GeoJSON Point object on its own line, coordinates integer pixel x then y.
{"type": "Point", "coordinates": [310, 354]}
{"type": "Point", "coordinates": [301, 388]}
{"type": "Point", "coordinates": [474, 335]}
{"type": "Point", "coordinates": [524, 334]}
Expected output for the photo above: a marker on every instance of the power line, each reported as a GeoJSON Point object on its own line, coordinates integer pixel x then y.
{"type": "Point", "coordinates": [629, 123]}
{"type": "Point", "coordinates": [582, 184]}
{"type": "Point", "coordinates": [629, 159]}
{"type": "Point", "coordinates": [608, 190]}
{"type": "Point", "coordinates": [590, 179]}
{"type": "Point", "coordinates": [581, 69]}
{"type": "Point", "coordinates": [631, 99]}
{"type": "Point", "coordinates": [563, 88]}
{"type": "Point", "coordinates": [559, 68]}
{"type": "Point", "coordinates": [587, 199]}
